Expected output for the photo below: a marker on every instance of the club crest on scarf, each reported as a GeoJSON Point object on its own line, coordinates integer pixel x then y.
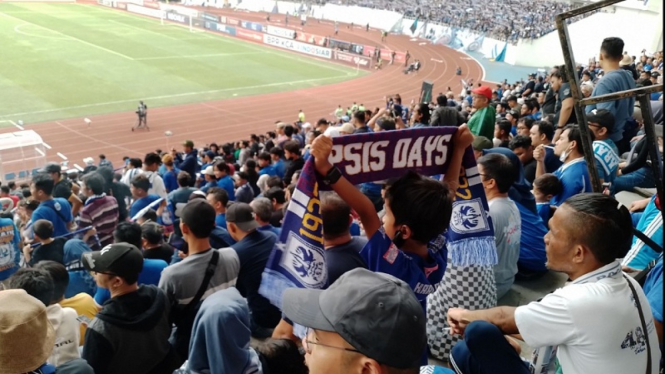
{"type": "Point", "coordinates": [298, 257]}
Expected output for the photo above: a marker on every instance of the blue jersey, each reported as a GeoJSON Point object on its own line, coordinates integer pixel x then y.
{"type": "Point", "coordinates": [152, 271]}
{"type": "Point", "coordinates": [226, 183]}
{"type": "Point", "coordinates": [651, 224]}
{"type": "Point", "coordinates": [653, 289]}
{"type": "Point", "coordinates": [544, 211]}
{"type": "Point", "coordinates": [607, 159]}
{"type": "Point", "coordinates": [574, 177]}
{"type": "Point", "coordinates": [141, 203]}
{"type": "Point", "coordinates": [532, 247]}
{"type": "Point", "coordinates": [381, 255]}
{"type": "Point", "coordinates": [10, 253]}
{"type": "Point", "coordinates": [268, 170]}
{"type": "Point", "coordinates": [58, 212]}
{"type": "Point", "coordinates": [280, 168]}
{"type": "Point", "coordinates": [220, 220]}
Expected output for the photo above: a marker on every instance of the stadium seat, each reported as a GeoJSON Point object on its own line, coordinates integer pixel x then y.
{"type": "Point", "coordinates": [34, 171]}
{"type": "Point", "coordinates": [10, 177]}
{"type": "Point", "coordinates": [22, 174]}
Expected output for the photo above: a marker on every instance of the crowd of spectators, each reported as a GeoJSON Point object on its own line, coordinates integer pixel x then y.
{"type": "Point", "coordinates": [155, 266]}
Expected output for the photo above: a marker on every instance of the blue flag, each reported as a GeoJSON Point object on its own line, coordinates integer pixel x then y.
{"type": "Point", "coordinates": [414, 26]}
{"type": "Point", "coordinates": [297, 260]}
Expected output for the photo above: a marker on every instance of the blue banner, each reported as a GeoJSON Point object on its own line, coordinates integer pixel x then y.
{"type": "Point", "coordinates": [210, 17]}
{"type": "Point", "coordinates": [252, 26]}
{"type": "Point", "coordinates": [220, 28]}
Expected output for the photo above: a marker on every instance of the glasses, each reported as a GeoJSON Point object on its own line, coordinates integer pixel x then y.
{"type": "Point", "coordinates": [307, 344]}
{"type": "Point", "coordinates": [110, 274]}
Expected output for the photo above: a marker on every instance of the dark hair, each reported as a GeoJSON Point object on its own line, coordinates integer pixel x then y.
{"type": "Point", "coordinates": [94, 182]}
{"type": "Point", "coordinates": [222, 166]}
{"type": "Point", "coordinates": [442, 100]}
{"type": "Point", "coordinates": [601, 224]}
{"type": "Point", "coordinates": [43, 229]}
{"type": "Point", "coordinates": [152, 159]}
{"type": "Point", "coordinates": [527, 121]}
{"type": "Point", "coordinates": [498, 167]}
{"type": "Point", "coordinates": [26, 193]}
{"type": "Point", "coordinates": [587, 73]}
{"type": "Point", "coordinates": [183, 178]}
{"type": "Point", "coordinates": [360, 116]}
{"type": "Point", "coordinates": [43, 182]}
{"type": "Point", "coordinates": [288, 130]}
{"type": "Point", "coordinates": [504, 125]}
{"type": "Point", "coordinates": [575, 135]}
{"type": "Point", "coordinates": [243, 175]}
{"type": "Point", "coordinates": [150, 215]}
{"type": "Point", "coordinates": [545, 128]}
{"type": "Point", "coordinates": [335, 214]}
{"type": "Point", "coordinates": [282, 356]}
{"type": "Point", "coordinates": [220, 195]}
{"type": "Point", "coordinates": [421, 203]}
{"type": "Point", "coordinates": [12, 185]}
{"type": "Point", "coordinates": [520, 141]}
{"type": "Point", "coordinates": [612, 48]}
{"type": "Point", "coordinates": [141, 182]}
{"type": "Point", "coordinates": [276, 193]}
{"type": "Point", "coordinates": [5, 189]}
{"type": "Point", "coordinates": [128, 232]}
{"type": "Point", "coordinates": [136, 163]}
{"type": "Point", "coordinates": [548, 184]}
{"type": "Point", "coordinates": [292, 146]}
{"type": "Point", "coordinates": [36, 282]}
{"type": "Point", "coordinates": [264, 156]}
{"type": "Point", "coordinates": [60, 277]}
{"type": "Point", "coordinates": [277, 152]}
{"type": "Point", "coordinates": [386, 124]}
{"type": "Point", "coordinates": [512, 98]}
{"type": "Point", "coordinates": [532, 104]}
{"type": "Point", "coordinates": [423, 109]}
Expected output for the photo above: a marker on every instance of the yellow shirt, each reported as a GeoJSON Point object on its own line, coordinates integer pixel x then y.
{"type": "Point", "coordinates": [301, 117]}
{"type": "Point", "coordinates": [85, 307]}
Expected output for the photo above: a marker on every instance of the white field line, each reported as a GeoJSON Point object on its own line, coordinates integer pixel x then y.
{"type": "Point", "coordinates": [62, 156]}
{"type": "Point", "coordinates": [46, 145]}
{"type": "Point", "coordinates": [172, 96]}
{"type": "Point", "coordinates": [40, 151]}
{"type": "Point", "coordinates": [197, 56]}
{"type": "Point", "coordinates": [69, 36]}
{"type": "Point", "coordinates": [17, 125]}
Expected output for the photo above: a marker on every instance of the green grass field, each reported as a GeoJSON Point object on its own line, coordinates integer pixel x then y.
{"type": "Point", "coordinates": [70, 60]}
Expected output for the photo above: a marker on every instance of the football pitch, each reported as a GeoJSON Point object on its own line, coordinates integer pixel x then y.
{"type": "Point", "coordinates": [72, 60]}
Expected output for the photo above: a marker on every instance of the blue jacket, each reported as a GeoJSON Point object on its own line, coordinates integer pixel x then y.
{"type": "Point", "coordinates": [189, 163]}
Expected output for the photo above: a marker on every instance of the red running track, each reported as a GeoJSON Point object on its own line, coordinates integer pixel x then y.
{"type": "Point", "coordinates": [234, 119]}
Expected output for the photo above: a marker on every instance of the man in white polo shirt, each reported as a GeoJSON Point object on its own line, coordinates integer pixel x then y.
{"type": "Point", "coordinates": [595, 322]}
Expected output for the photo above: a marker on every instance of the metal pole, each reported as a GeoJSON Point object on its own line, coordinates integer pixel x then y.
{"type": "Point", "coordinates": [652, 143]}
{"type": "Point", "coordinates": [587, 146]}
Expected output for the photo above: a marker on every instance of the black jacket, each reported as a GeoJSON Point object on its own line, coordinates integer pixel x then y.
{"type": "Point", "coordinates": [130, 334]}
{"type": "Point", "coordinates": [446, 116]}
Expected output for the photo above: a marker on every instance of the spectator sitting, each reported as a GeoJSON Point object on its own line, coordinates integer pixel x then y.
{"type": "Point", "coordinates": [244, 192]}
{"type": "Point", "coordinates": [292, 153]}
{"type": "Point", "coordinates": [483, 119]}
{"type": "Point", "coordinates": [653, 289]}
{"type": "Point", "coordinates": [650, 222]}
{"type": "Point", "coordinates": [524, 125]}
{"type": "Point", "coordinates": [265, 163]}
{"type": "Point", "coordinates": [209, 179]}
{"type": "Point", "coordinates": [601, 123]}
{"type": "Point", "coordinates": [253, 249]}
{"type": "Point", "coordinates": [181, 281]}
{"type": "Point", "coordinates": [263, 212]}
{"type": "Point", "coordinates": [587, 234]}
{"type": "Point", "coordinates": [80, 280]}
{"type": "Point", "coordinates": [278, 198]}
{"type": "Point", "coordinates": [637, 172]}
{"type": "Point", "coordinates": [512, 116]}
{"type": "Point", "coordinates": [39, 284]}
{"type": "Point", "coordinates": [100, 211]}
{"type": "Point", "coordinates": [497, 175]}
{"type": "Point", "coordinates": [130, 232]}
{"type": "Point", "coordinates": [502, 133]}
{"type": "Point", "coordinates": [82, 303]}
{"type": "Point", "coordinates": [531, 109]}
{"type": "Point", "coordinates": [521, 146]}
{"type": "Point", "coordinates": [9, 248]}
{"type": "Point", "coordinates": [573, 174]}
{"type": "Point", "coordinates": [49, 248]}
{"type": "Point", "coordinates": [114, 342]}
{"type": "Point", "coordinates": [542, 133]}
{"type": "Point", "coordinates": [142, 200]}
{"type": "Point", "coordinates": [479, 144]}
{"type": "Point", "coordinates": [219, 200]}
{"type": "Point", "coordinates": [149, 216]}
{"type": "Point", "coordinates": [53, 209]}
{"type": "Point", "coordinates": [224, 180]}
{"type": "Point", "coordinates": [152, 236]}
{"type": "Point", "coordinates": [151, 164]}
{"type": "Point", "coordinates": [545, 187]}
{"type": "Point", "coordinates": [277, 155]}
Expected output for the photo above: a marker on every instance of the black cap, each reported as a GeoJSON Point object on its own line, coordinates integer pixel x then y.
{"type": "Point", "coordinates": [242, 215]}
{"type": "Point", "coordinates": [376, 313]}
{"type": "Point", "coordinates": [121, 259]}
{"type": "Point", "coordinates": [200, 214]}
{"type": "Point", "coordinates": [602, 117]}
{"type": "Point", "coordinates": [655, 74]}
{"type": "Point", "coordinates": [51, 167]}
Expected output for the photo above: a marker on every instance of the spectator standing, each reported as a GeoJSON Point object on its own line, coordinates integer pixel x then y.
{"type": "Point", "coordinates": [62, 187]}
{"type": "Point", "coordinates": [151, 165]}
{"type": "Point", "coordinates": [130, 333]}
{"type": "Point", "coordinates": [139, 188]}
{"type": "Point", "coordinates": [178, 198]}
{"type": "Point", "coordinates": [218, 199]}
{"type": "Point", "coordinates": [521, 146]}
{"type": "Point", "coordinates": [170, 176]}
{"type": "Point", "coordinates": [601, 123]}
{"type": "Point", "coordinates": [100, 211]}
{"type": "Point", "coordinates": [134, 167]}
{"type": "Point", "coordinates": [54, 209]}
{"type": "Point", "coordinates": [104, 162]}
{"type": "Point", "coordinates": [189, 161]}
{"type": "Point", "coordinates": [224, 180]}
{"type": "Point", "coordinates": [482, 121]}
{"type": "Point", "coordinates": [564, 112]}
{"type": "Point", "coordinates": [10, 253]}
{"type": "Point", "coordinates": [80, 280]}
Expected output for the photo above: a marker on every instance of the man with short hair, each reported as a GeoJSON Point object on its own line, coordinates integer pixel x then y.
{"type": "Point", "coordinates": [587, 235]}
{"type": "Point", "coordinates": [542, 133]}
{"type": "Point", "coordinates": [502, 133]}
{"type": "Point", "coordinates": [218, 199]}
{"type": "Point", "coordinates": [277, 155]}
{"type": "Point", "coordinates": [278, 198]}
{"type": "Point", "coordinates": [497, 176]}
{"type": "Point", "coordinates": [482, 121]}
{"type": "Point", "coordinates": [189, 161]}
{"type": "Point", "coordinates": [133, 168]}
{"type": "Point", "coordinates": [524, 125]}
{"type": "Point", "coordinates": [49, 248]}
{"type": "Point", "coordinates": [224, 180]}
{"type": "Point", "coordinates": [253, 248]}
{"type": "Point", "coordinates": [130, 333]}
{"type": "Point", "coordinates": [614, 80]}
{"type": "Point", "coordinates": [5, 193]}
{"type": "Point", "coordinates": [151, 164]}
{"type": "Point", "coordinates": [264, 161]}
{"type": "Point", "coordinates": [100, 211]}
{"type": "Point", "coordinates": [139, 188]}
{"type": "Point", "coordinates": [444, 115]}
{"type": "Point", "coordinates": [181, 281]}
{"type": "Point", "coordinates": [263, 211]}
{"type": "Point", "coordinates": [531, 109]}
{"type": "Point", "coordinates": [292, 153]}
{"type": "Point", "coordinates": [152, 241]}
{"type": "Point", "coordinates": [360, 122]}
{"type": "Point", "coordinates": [62, 187]}
{"type": "Point", "coordinates": [54, 209]}
{"type": "Point", "coordinates": [513, 116]}
{"type": "Point", "coordinates": [521, 146]}
{"type": "Point", "coordinates": [244, 192]}
{"type": "Point", "coordinates": [178, 198]}
{"type": "Point", "coordinates": [601, 123]}
{"type": "Point", "coordinates": [364, 322]}
{"type": "Point", "coordinates": [530, 86]}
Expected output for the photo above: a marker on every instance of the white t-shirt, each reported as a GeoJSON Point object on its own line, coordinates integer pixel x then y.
{"type": "Point", "coordinates": [67, 334]}
{"type": "Point", "coordinates": [129, 175]}
{"type": "Point", "coordinates": [595, 324]}
{"type": "Point", "coordinates": [507, 232]}
{"type": "Point", "coordinates": [156, 184]}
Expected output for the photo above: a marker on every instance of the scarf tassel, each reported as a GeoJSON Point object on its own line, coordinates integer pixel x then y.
{"type": "Point", "coordinates": [479, 251]}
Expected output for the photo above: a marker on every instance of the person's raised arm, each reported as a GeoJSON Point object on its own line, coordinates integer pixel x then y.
{"type": "Point", "coordinates": [461, 140]}
{"type": "Point", "coordinates": [564, 115]}
{"type": "Point", "coordinates": [321, 149]}
{"type": "Point", "coordinates": [378, 115]}
{"type": "Point", "coordinates": [539, 155]}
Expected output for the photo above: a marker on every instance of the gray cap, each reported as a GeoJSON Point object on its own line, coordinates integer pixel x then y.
{"type": "Point", "coordinates": [242, 215]}
{"type": "Point", "coordinates": [376, 313]}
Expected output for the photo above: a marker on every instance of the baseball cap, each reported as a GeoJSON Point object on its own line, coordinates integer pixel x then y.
{"type": "Point", "coordinates": [242, 215]}
{"type": "Point", "coordinates": [481, 143]}
{"type": "Point", "coordinates": [209, 170]}
{"type": "Point", "coordinates": [626, 60]}
{"type": "Point", "coordinates": [655, 74]}
{"type": "Point", "coordinates": [199, 213]}
{"type": "Point", "coordinates": [603, 117]}
{"type": "Point", "coordinates": [484, 91]}
{"type": "Point", "coordinates": [188, 143]}
{"type": "Point", "coordinates": [376, 313]}
{"type": "Point", "coordinates": [210, 154]}
{"type": "Point", "coordinates": [121, 259]}
{"type": "Point", "coordinates": [24, 327]}
{"type": "Point", "coordinates": [347, 128]}
{"type": "Point", "coordinates": [51, 167]}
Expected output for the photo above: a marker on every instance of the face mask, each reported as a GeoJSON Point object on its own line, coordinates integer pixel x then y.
{"type": "Point", "coordinates": [563, 156]}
